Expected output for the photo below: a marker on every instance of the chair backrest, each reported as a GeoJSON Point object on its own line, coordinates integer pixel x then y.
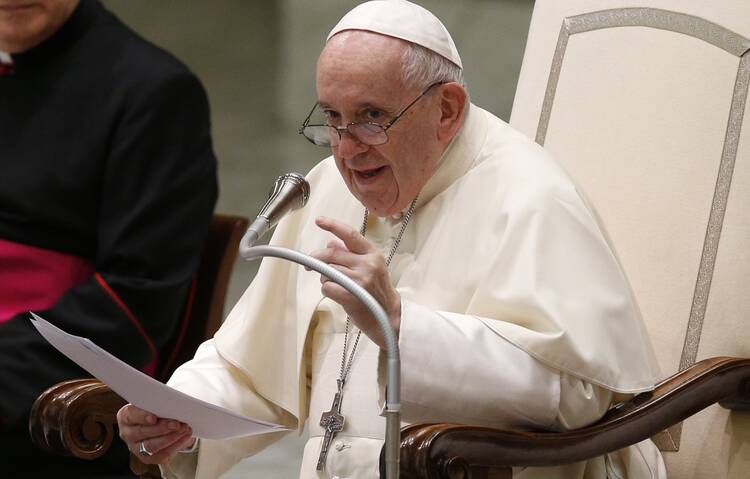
{"type": "Point", "coordinates": [643, 102]}
{"type": "Point", "coordinates": [204, 306]}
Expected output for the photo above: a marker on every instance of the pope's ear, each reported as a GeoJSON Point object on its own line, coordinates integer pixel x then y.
{"type": "Point", "coordinates": [452, 109]}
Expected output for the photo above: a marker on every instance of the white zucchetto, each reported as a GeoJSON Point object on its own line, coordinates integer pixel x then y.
{"type": "Point", "coordinates": [404, 20]}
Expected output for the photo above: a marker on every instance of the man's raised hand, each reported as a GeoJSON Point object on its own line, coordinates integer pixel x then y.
{"type": "Point", "coordinates": [355, 256]}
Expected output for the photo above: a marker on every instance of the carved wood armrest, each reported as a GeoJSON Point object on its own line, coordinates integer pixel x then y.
{"type": "Point", "coordinates": [451, 451]}
{"type": "Point", "coordinates": [78, 418]}
{"type": "Point", "coordinates": [75, 418]}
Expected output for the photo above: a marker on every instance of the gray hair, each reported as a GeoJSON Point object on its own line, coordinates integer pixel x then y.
{"type": "Point", "coordinates": [422, 67]}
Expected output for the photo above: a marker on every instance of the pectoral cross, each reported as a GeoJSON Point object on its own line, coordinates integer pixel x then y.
{"type": "Point", "coordinates": [333, 422]}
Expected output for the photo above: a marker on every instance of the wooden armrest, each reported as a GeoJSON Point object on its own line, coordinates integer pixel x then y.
{"type": "Point", "coordinates": [75, 418]}
{"type": "Point", "coordinates": [451, 450]}
{"type": "Point", "coordinates": [78, 418]}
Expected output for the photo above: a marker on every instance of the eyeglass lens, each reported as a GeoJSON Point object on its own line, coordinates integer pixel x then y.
{"type": "Point", "coordinates": [367, 133]}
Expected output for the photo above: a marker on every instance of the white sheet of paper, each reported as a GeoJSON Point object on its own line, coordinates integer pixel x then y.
{"type": "Point", "coordinates": [207, 420]}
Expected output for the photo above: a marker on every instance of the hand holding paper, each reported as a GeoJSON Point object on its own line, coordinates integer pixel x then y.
{"type": "Point", "coordinates": [154, 440]}
{"type": "Point", "coordinates": [206, 420]}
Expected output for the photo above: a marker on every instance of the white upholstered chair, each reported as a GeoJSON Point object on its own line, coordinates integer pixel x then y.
{"type": "Point", "coordinates": [643, 103]}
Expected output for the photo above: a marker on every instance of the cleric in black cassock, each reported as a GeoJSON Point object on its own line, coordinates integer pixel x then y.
{"type": "Point", "coordinates": [107, 185]}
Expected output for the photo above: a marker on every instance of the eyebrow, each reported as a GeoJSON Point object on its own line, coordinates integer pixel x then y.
{"type": "Point", "coordinates": [363, 106]}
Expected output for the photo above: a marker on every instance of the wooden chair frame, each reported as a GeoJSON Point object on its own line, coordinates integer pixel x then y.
{"type": "Point", "coordinates": [451, 451]}
{"type": "Point", "coordinates": [79, 417]}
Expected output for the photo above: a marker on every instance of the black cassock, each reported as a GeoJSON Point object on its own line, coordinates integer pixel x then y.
{"type": "Point", "coordinates": [105, 155]}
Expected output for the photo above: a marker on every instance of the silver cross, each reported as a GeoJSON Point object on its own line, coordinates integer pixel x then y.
{"type": "Point", "coordinates": [333, 422]}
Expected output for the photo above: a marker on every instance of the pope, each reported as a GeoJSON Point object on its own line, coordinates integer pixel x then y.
{"type": "Point", "coordinates": [510, 307]}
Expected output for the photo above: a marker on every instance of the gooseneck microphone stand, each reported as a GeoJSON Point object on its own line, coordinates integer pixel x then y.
{"type": "Point", "coordinates": [290, 192]}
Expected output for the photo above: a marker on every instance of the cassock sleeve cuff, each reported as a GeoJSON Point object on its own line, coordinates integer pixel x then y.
{"type": "Point", "coordinates": [192, 448]}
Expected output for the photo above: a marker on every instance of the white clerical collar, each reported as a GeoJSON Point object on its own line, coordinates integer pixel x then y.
{"type": "Point", "coordinates": [459, 156]}
{"type": "Point", "coordinates": [6, 58]}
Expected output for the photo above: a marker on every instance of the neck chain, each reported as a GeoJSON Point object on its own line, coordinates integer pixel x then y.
{"type": "Point", "coordinates": [347, 364]}
{"type": "Point", "coordinates": [332, 421]}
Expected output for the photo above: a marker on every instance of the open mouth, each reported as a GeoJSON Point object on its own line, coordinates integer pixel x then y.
{"type": "Point", "coordinates": [366, 174]}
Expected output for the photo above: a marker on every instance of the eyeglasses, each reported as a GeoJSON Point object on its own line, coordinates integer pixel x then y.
{"type": "Point", "coordinates": [368, 133]}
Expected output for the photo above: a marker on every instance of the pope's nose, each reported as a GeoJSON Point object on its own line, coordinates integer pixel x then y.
{"type": "Point", "coordinates": [350, 146]}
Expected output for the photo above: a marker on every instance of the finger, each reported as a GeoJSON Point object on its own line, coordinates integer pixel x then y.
{"type": "Point", "coordinates": [139, 432]}
{"type": "Point", "coordinates": [354, 242]}
{"type": "Point", "coordinates": [164, 455]}
{"type": "Point", "coordinates": [336, 256]}
{"type": "Point", "coordinates": [131, 415]}
{"type": "Point", "coordinates": [162, 428]}
{"type": "Point", "coordinates": [338, 294]}
{"type": "Point", "coordinates": [183, 443]}
{"type": "Point", "coordinates": [179, 445]}
{"type": "Point", "coordinates": [343, 269]}
{"type": "Point", "coordinates": [156, 445]}
{"type": "Point", "coordinates": [360, 317]}
{"type": "Point", "coordinates": [336, 244]}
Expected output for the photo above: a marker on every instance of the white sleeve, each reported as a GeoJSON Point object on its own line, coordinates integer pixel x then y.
{"type": "Point", "coordinates": [206, 358]}
{"type": "Point", "coordinates": [211, 378]}
{"type": "Point", "coordinates": [456, 369]}
{"type": "Point", "coordinates": [206, 371]}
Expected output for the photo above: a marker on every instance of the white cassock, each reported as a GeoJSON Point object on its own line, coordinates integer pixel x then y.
{"type": "Point", "coordinates": [515, 313]}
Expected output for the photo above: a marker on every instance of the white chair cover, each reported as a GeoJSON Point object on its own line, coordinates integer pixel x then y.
{"type": "Point", "coordinates": [643, 102]}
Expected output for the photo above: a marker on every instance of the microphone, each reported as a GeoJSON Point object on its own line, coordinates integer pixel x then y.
{"type": "Point", "coordinates": [289, 192]}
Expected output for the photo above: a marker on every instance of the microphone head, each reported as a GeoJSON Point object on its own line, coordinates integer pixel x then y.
{"type": "Point", "coordinates": [290, 192]}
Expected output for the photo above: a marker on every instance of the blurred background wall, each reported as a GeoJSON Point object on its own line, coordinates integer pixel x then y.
{"type": "Point", "coordinates": [256, 60]}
